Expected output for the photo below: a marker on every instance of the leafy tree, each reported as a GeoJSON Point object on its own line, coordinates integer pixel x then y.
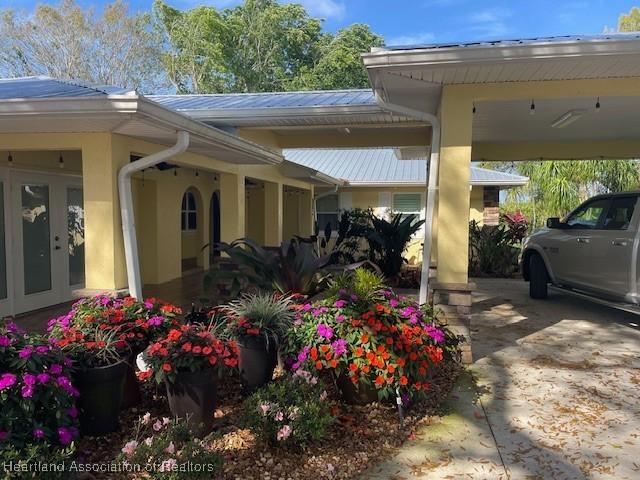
{"type": "Point", "coordinates": [340, 65]}
{"type": "Point", "coordinates": [630, 22]}
{"type": "Point", "coordinates": [65, 41]}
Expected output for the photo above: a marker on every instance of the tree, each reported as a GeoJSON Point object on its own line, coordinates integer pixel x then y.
{"type": "Point", "coordinates": [259, 46]}
{"type": "Point", "coordinates": [65, 41]}
{"type": "Point", "coordinates": [340, 65]}
{"type": "Point", "coordinates": [630, 22]}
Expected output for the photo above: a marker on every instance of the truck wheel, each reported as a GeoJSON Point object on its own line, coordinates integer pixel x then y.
{"type": "Point", "coordinates": [538, 277]}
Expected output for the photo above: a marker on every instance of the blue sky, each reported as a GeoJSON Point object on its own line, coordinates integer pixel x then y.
{"type": "Point", "coordinates": [427, 21]}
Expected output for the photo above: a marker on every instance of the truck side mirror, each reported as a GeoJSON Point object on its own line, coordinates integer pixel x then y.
{"type": "Point", "coordinates": [554, 222]}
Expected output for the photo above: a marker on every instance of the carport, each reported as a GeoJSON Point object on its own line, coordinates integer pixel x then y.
{"type": "Point", "coordinates": [517, 100]}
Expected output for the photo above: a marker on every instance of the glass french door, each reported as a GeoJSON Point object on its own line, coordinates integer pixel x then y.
{"type": "Point", "coordinates": [47, 223]}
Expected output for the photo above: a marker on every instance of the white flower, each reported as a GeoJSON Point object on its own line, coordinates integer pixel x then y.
{"type": "Point", "coordinates": [146, 418]}
{"type": "Point", "coordinates": [323, 396]}
{"type": "Point", "coordinates": [168, 465]}
{"type": "Point", "coordinates": [148, 441]}
{"type": "Point", "coordinates": [166, 420]}
{"type": "Point", "coordinates": [171, 449]}
{"type": "Point", "coordinates": [130, 448]}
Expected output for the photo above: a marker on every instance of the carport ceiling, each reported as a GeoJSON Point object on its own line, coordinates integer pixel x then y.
{"type": "Point", "coordinates": [511, 121]}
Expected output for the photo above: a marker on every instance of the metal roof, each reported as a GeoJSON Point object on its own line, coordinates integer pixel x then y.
{"type": "Point", "coordinates": [518, 41]}
{"type": "Point", "coordinates": [266, 100]}
{"type": "Point", "coordinates": [380, 166]}
{"type": "Point", "coordinates": [46, 87]}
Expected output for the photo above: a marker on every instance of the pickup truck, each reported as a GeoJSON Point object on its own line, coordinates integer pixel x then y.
{"type": "Point", "coordinates": [592, 252]}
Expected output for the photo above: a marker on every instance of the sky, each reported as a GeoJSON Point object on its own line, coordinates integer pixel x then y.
{"type": "Point", "coordinates": [404, 22]}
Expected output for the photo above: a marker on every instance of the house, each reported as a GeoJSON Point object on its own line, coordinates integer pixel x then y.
{"type": "Point", "coordinates": [379, 179]}
{"type": "Point", "coordinates": [136, 158]}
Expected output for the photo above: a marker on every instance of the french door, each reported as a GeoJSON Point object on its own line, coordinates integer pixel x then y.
{"type": "Point", "coordinates": [43, 236]}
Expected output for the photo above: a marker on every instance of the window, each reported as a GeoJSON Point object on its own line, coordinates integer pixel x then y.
{"type": "Point", "coordinates": [407, 204]}
{"type": "Point", "coordinates": [587, 216]}
{"type": "Point", "coordinates": [189, 219]}
{"type": "Point", "coordinates": [328, 212]}
{"type": "Point", "coordinates": [620, 213]}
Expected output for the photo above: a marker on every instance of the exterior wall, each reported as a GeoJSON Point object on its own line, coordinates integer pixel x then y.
{"type": "Point", "coordinates": [476, 211]}
{"type": "Point", "coordinates": [254, 216]}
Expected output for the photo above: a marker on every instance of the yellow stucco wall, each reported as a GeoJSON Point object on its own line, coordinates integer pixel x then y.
{"type": "Point", "coordinates": [476, 211]}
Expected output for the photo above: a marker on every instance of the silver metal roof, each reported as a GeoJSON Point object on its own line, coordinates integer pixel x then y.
{"type": "Point", "coordinates": [46, 87]}
{"type": "Point", "coordinates": [518, 41]}
{"type": "Point", "coordinates": [266, 100]}
{"type": "Point", "coordinates": [380, 166]}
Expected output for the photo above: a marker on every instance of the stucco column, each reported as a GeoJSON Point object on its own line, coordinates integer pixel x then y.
{"type": "Point", "coordinates": [453, 183]}
{"type": "Point", "coordinates": [104, 251]}
{"type": "Point", "coordinates": [232, 208]}
{"type": "Point", "coordinates": [272, 214]}
{"type": "Point", "coordinates": [452, 291]}
{"type": "Point", "coordinates": [306, 213]}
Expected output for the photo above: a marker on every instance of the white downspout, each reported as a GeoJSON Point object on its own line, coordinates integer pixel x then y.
{"type": "Point", "coordinates": [432, 183]}
{"type": "Point", "coordinates": [127, 212]}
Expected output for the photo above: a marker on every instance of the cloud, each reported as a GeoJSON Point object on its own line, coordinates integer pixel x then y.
{"type": "Point", "coordinates": [490, 23]}
{"type": "Point", "coordinates": [412, 39]}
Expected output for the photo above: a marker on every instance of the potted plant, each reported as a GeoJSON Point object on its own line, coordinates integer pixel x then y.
{"type": "Point", "coordinates": [136, 323]}
{"type": "Point", "coordinates": [188, 361]}
{"type": "Point", "coordinates": [99, 360]}
{"type": "Point", "coordinates": [258, 322]}
{"type": "Point", "coordinates": [375, 344]}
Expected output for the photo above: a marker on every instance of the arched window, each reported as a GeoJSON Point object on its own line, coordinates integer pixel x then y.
{"type": "Point", "coordinates": [189, 218]}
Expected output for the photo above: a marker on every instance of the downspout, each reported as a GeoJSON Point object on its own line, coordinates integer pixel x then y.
{"type": "Point", "coordinates": [432, 183]}
{"type": "Point", "coordinates": [126, 208]}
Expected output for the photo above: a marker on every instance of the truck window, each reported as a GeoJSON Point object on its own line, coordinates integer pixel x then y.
{"type": "Point", "coordinates": [620, 213]}
{"type": "Point", "coordinates": [587, 216]}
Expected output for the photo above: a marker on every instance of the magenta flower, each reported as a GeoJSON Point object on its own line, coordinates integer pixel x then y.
{"type": "Point", "coordinates": [306, 307]}
{"type": "Point", "coordinates": [7, 380]}
{"type": "Point", "coordinates": [325, 331]}
{"type": "Point", "coordinates": [155, 321]}
{"type": "Point", "coordinates": [340, 318]}
{"type": "Point", "coordinates": [65, 435]}
{"type": "Point", "coordinates": [73, 412]}
{"type": "Point", "coordinates": [43, 377]}
{"type": "Point", "coordinates": [4, 341]}
{"type": "Point", "coordinates": [29, 379]}
{"type": "Point", "coordinates": [340, 303]}
{"type": "Point", "coordinates": [393, 302]}
{"type": "Point", "coordinates": [27, 391]}
{"type": "Point", "coordinates": [42, 349]}
{"type": "Point", "coordinates": [26, 352]}
{"type": "Point", "coordinates": [339, 347]}
{"type": "Point", "coordinates": [3, 435]}
{"type": "Point", "coordinates": [65, 384]}
{"type": "Point", "coordinates": [55, 369]}
{"type": "Point", "coordinates": [38, 433]}
{"type": "Point", "coordinates": [435, 333]}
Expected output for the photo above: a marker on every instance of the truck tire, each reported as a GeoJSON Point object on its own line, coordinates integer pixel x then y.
{"type": "Point", "coordinates": [538, 278]}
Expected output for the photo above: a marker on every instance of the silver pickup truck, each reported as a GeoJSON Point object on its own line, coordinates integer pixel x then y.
{"type": "Point", "coordinates": [592, 252]}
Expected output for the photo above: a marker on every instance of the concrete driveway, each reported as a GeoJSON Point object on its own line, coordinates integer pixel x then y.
{"type": "Point", "coordinates": [555, 395]}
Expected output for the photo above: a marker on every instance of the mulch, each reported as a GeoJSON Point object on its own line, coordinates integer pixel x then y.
{"type": "Point", "coordinates": [360, 437]}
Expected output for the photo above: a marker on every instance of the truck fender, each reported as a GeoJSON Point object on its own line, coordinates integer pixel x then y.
{"type": "Point", "coordinates": [525, 261]}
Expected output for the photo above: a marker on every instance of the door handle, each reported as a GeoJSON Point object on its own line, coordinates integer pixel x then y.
{"type": "Point", "coordinates": [619, 243]}
{"type": "Point", "coordinates": [582, 240]}
{"type": "Point", "coordinates": [57, 247]}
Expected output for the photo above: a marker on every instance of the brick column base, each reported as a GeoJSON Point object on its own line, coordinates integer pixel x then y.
{"type": "Point", "coordinates": [453, 301]}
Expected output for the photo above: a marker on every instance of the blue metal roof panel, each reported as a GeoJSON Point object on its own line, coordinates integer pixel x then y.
{"type": "Point", "coordinates": [380, 166]}
{"type": "Point", "coordinates": [518, 41]}
{"type": "Point", "coordinates": [266, 100]}
{"type": "Point", "coordinates": [46, 87]}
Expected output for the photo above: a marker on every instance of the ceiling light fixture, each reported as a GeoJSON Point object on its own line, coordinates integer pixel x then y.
{"type": "Point", "coordinates": [568, 118]}
{"type": "Point", "coordinates": [532, 108]}
{"type": "Point", "coordinates": [598, 104]}
{"type": "Point", "coordinates": [10, 159]}
{"type": "Point", "coordinates": [61, 161]}
{"type": "Point", "coordinates": [474, 108]}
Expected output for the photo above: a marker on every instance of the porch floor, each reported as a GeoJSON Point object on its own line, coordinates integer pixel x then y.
{"type": "Point", "coordinates": [182, 292]}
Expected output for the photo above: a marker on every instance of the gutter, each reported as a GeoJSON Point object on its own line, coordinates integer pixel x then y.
{"type": "Point", "coordinates": [432, 183]}
{"type": "Point", "coordinates": [127, 212]}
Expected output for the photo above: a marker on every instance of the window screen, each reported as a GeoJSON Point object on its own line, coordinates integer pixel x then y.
{"type": "Point", "coordinates": [189, 217]}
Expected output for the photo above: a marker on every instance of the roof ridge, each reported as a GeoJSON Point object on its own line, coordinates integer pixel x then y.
{"type": "Point", "coordinates": [83, 84]}
{"type": "Point", "coordinates": [297, 92]}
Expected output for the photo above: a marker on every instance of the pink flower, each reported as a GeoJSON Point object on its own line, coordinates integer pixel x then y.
{"type": "Point", "coordinates": [130, 448]}
{"type": "Point", "coordinates": [279, 416]}
{"type": "Point", "coordinates": [27, 391]}
{"type": "Point", "coordinates": [66, 435]}
{"type": "Point", "coordinates": [166, 421]}
{"type": "Point", "coordinates": [38, 433]}
{"type": "Point", "coordinates": [284, 433]}
{"type": "Point", "coordinates": [7, 380]}
{"type": "Point", "coordinates": [157, 426]}
{"type": "Point", "coordinates": [55, 369]}
{"type": "Point", "coordinates": [171, 448]}
{"type": "Point", "coordinates": [325, 331]}
{"type": "Point", "coordinates": [155, 321]}
{"type": "Point", "coordinates": [146, 418]}
{"type": "Point", "coordinates": [264, 409]}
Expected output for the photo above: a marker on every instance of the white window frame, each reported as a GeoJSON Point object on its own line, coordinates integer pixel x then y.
{"type": "Point", "coordinates": [419, 212]}
{"type": "Point", "coordinates": [184, 212]}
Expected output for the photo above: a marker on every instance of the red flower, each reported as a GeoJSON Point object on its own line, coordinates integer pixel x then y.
{"type": "Point", "coordinates": [314, 353]}
{"type": "Point", "coordinates": [207, 350]}
{"type": "Point", "coordinates": [379, 380]}
{"type": "Point", "coordinates": [213, 359]}
{"type": "Point", "coordinates": [359, 351]}
{"type": "Point", "coordinates": [253, 331]}
{"type": "Point", "coordinates": [186, 347]}
{"type": "Point", "coordinates": [318, 365]}
{"type": "Point", "coordinates": [166, 367]}
{"type": "Point", "coordinates": [404, 380]}
{"type": "Point", "coordinates": [196, 349]}
{"type": "Point", "coordinates": [364, 339]}
{"type": "Point", "coordinates": [353, 367]}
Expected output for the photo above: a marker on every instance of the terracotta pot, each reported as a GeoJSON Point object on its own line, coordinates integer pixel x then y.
{"type": "Point", "coordinates": [256, 362]}
{"type": "Point", "coordinates": [359, 394]}
{"type": "Point", "coordinates": [194, 396]}
{"type": "Point", "coordinates": [100, 398]}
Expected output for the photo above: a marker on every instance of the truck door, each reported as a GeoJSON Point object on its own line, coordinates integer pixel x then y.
{"type": "Point", "coordinates": [612, 248]}
{"type": "Point", "coordinates": [570, 247]}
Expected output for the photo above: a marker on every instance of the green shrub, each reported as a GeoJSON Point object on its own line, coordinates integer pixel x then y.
{"type": "Point", "coordinates": [292, 411]}
{"type": "Point", "coordinates": [166, 449]}
{"type": "Point", "coordinates": [491, 251]}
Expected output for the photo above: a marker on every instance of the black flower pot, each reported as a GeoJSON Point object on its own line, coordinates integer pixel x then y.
{"type": "Point", "coordinates": [131, 395]}
{"type": "Point", "coordinates": [193, 396]}
{"type": "Point", "coordinates": [100, 397]}
{"type": "Point", "coordinates": [256, 360]}
{"type": "Point", "coordinates": [356, 394]}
